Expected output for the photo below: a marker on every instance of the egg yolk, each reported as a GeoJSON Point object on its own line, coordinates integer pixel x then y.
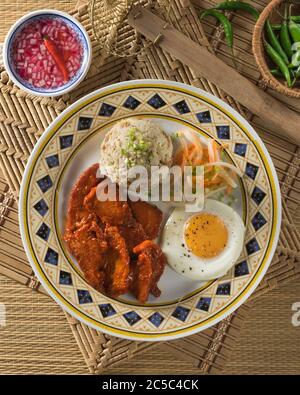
{"type": "Point", "coordinates": [205, 235]}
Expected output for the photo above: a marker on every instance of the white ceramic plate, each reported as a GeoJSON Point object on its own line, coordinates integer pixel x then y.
{"type": "Point", "coordinates": [71, 144]}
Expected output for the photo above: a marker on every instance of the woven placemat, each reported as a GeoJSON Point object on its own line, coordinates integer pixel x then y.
{"type": "Point", "coordinates": [24, 120]}
{"type": "Point", "coordinates": [38, 339]}
{"type": "Point", "coordinates": [10, 11]}
{"type": "Point", "coordinates": [101, 351]}
{"type": "Point", "coordinates": [286, 155]}
{"type": "Point", "coordinates": [268, 343]}
{"type": "Point", "coordinates": [155, 63]}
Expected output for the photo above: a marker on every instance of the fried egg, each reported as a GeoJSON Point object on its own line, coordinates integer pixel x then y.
{"type": "Point", "coordinates": [205, 245]}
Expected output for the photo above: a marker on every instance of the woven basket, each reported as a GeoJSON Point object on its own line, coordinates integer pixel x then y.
{"type": "Point", "coordinates": [259, 53]}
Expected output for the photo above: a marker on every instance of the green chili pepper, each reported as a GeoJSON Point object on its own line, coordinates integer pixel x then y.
{"type": "Point", "coordinates": [276, 72]}
{"type": "Point", "coordinates": [296, 75]}
{"type": "Point", "coordinates": [275, 42]}
{"type": "Point", "coordinates": [276, 26]}
{"type": "Point", "coordinates": [291, 66]}
{"type": "Point", "coordinates": [295, 61]}
{"type": "Point", "coordinates": [285, 40]}
{"type": "Point", "coordinates": [277, 59]}
{"type": "Point", "coordinates": [294, 29]}
{"type": "Point", "coordinates": [237, 6]}
{"type": "Point", "coordinates": [296, 18]}
{"type": "Point", "coordinates": [224, 22]}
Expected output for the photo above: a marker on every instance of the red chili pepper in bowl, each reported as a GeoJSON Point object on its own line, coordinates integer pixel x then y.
{"type": "Point", "coordinates": [57, 56]}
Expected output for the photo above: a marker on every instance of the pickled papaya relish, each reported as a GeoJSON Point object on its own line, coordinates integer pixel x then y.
{"type": "Point", "coordinates": [47, 52]}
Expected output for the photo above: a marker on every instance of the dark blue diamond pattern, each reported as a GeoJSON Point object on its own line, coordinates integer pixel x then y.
{"type": "Point", "coordinates": [251, 170]}
{"type": "Point", "coordinates": [182, 107]}
{"type": "Point", "coordinates": [65, 278]}
{"type": "Point", "coordinates": [258, 221]}
{"type": "Point", "coordinates": [181, 313]}
{"type": "Point", "coordinates": [84, 296]}
{"type": "Point", "coordinates": [107, 310]}
{"type": "Point", "coordinates": [41, 207]}
{"type": "Point", "coordinates": [223, 289]}
{"type": "Point", "coordinates": [204, 117]}
{"type": "Point", "coordinates": [258, 195]}
{"type": "Point", "coordinates": [131, 103]}
{"type": "Point", "coordinates": [131, 317]}
{"type": "Point", "coordinates": [45, 183]}
{"type": "Point", "coordinates": [107, 110]}
{"type": "Point", "coordinates": [156, 319]}
{"type": "Point", "coordinates": [51, 257]}
{"type": "Point", "coordinates": [156, 102]}
{"type": "Point", "coordinates": [223, 132]}
{"type": "Point", "coordinates": [252, 246]}
{"type": "Point", "coordinates": [203, 304]}
{"type": "Point", "coordinates": [84, 123]}
{"type": "Point", "coordinates": [52, 161]}
{"type": "Point", "coordinates": [241, 269]}
{"type": "Point", "coordinates": [240, 149]}
{"type": "Point", "coordinates": [43, 232]}
{"type": "Point", "coordinates": [66, 141]}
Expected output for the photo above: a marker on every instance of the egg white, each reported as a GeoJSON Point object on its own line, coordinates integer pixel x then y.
{"type": "Point", "coordinates": [183, 261]}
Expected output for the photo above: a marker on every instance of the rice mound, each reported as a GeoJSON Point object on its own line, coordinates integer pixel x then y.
{"type": "Point", "coordinates": [134, 142]}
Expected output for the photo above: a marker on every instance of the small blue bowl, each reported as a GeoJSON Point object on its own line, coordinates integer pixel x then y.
{"type": "Point", "coordinates": [82, 37]}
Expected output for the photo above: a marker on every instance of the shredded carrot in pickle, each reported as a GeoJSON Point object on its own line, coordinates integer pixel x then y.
{"type": "Point", "coordinates": [193, 153]}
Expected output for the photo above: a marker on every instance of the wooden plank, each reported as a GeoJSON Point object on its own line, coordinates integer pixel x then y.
{"type": "Point", "coordinates": [216, 71]}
